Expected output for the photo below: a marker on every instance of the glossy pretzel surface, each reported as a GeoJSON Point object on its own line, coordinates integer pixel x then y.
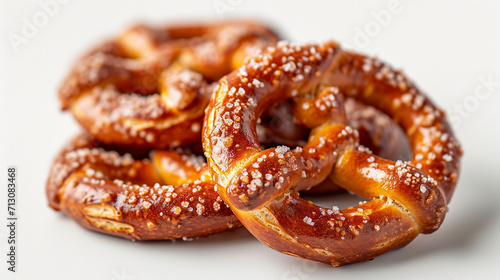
{"type": "Point", "coordinates": [150, 86]}
{"type": "Point", "coordinates": [167, 195]}
{"type": "Point", "coordinates": [407, 198]}
{"type": "Point", "coordinates": [139, 199]}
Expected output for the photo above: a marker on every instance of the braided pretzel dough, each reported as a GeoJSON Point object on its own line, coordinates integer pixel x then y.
{"type": "Point", "coordinates": [408, 198]}
{"type": "Point", "coordinates": [111, 91]}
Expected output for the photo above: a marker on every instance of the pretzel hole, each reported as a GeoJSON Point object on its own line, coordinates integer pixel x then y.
{"type": "Point", "coordinates": [290, 122]}
{"type": "Point", "coordinates": [276, 126]}
{"type": "Point", "coordinates": [377, 131]}
{"type": "Point", "coordinates": [333, 200]}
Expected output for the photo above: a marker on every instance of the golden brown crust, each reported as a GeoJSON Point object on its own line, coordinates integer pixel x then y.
{"type": "Point", "coordinates": [83, 201]}
{"type": "Point", "coordinates": [112, 92]}
{"type": "Point", "coordinates": [377, 133]}
{"type": "Point", "coordinates": [408, 198]}
{"type": "Point", "coordinates": [150, 86]}
{"type": "Point", "coordinates": [167, 196]}
{"type": "Point", "coordinates": [435, 151]}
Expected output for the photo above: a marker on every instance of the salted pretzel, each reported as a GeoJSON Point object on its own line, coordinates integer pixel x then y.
{"type": "Point", "coordinates": [168, 195]}
{"type": "Point", "coordinates": [407, 198]}
{"type": "Point", "coordinates": [150, 86]}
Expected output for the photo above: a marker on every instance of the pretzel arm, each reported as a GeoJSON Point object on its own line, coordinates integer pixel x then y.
{"type": "Point", "coordinates": [415, 192]}
{"type": "Point", "coordinates": [297, 227]}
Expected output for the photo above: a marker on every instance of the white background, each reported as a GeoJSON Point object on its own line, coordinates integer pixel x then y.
{"type": "Point", "coordinates": [446, 47]}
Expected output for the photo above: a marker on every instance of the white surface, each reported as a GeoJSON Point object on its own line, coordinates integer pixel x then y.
{"type": "Point", "coordinates": [446, 47]}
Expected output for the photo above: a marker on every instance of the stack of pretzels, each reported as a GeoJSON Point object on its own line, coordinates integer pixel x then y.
{"type": "Point", "coordinates": [192, 130]}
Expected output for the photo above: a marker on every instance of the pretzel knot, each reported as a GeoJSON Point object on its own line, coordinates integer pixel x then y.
{"type": "Point", "coordinates": [113, 90]}
{"type": "Point", "coordinates": [407, 198]}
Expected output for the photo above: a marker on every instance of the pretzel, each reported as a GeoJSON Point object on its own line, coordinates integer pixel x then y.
{"type": "Point", "coordinates": [112, 90]}
{"type": "Point", "coordinates": [407, 198]}
{"type": "Point", "coordinates": [169, 195]}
